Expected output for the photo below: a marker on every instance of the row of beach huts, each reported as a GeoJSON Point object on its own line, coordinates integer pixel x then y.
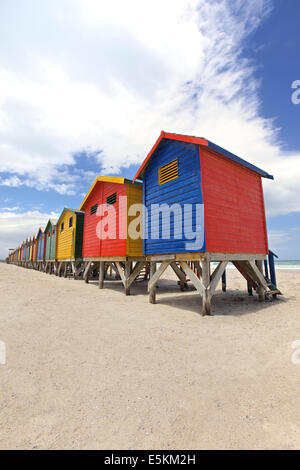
{"type": "Point", "coordinates": [195, 208]}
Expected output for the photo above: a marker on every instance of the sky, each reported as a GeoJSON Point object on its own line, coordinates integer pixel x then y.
{"type": "Point", "coordinates": [86, 86]}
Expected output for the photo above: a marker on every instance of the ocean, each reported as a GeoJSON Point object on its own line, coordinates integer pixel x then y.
{"type": "Point", "coordinates": [279, 264]}
{"type": "Point", "coordinates": [287, 264]}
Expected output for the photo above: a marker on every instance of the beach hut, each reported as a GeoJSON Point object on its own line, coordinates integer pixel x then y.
{"type": "Point", "coordinates": [24, 252]}
{"type": "Point", "coordinates": [69, 236]}
{"type": "Point", "coordinates": [28, 251]}
{"type": "Point", "coordinates": [31, 251]}
{"type": "Point", "coordinates": [40, 256]}
{"type": "Point", "coordinates": [50, 240]}
{"type": "Point", "coordinates": [21, 254]}
{"type": "Point", "coordinates": [34, 251]}
{"type": "Point", "coordinates": [107, 219]}
{"type": "Point", "coordinates": [203, 204]}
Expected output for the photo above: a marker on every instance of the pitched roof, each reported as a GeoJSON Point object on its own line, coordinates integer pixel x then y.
{"type": "Point", "coordinates": [51, 222]}
{"type": "Point", "coordinates": [74, 211]}
{"type": "Point", "coordinates": [204, 143]}
{"type": "Point", "coordinates": [107, 179]}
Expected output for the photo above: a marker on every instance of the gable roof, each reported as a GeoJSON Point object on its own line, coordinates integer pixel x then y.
{"type": "Point", "coordinates": [74, 211]}
{"type": "Point", "coordinates": [204, 143]}
{"type": "Point", "coordinates": [39, 230]}
{"type": "Point", "coordinates": [107, 179]}
{"type": "Point", "coordinates": [51, 222]}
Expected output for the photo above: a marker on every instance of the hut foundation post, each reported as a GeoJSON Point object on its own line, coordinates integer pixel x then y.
{"type": "Point", "coordinates": [59, 269]}
{"type": "Point", "coordinates": [224, 283]}
{"type": "Point", "coordinates": [73, 266]}
{"type": "Point", "coordinates": [206, 306]}
{"type": "Point", "coordinates": [127, 272]}
{"type": "Point", "coordinates": [152, 291]}
{"type": "Point", "coordinates": [181, 276]}
{"type": "Point", "coordinates": [86, 272]}
{"type": "Point", "coordinates": [101, 274]}
{"type": "Point", "coordinates": [133, 273]}
{"type": "Point", "coordinates": [261, 290]}
{"type": "Point", "coordinates": [79, 269]}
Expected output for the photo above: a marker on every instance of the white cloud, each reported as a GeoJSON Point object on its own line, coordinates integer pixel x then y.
{"type": "Point", "coordinates": [17, 226]}
{"type": "Point", "coordinates": [88, 74]}
{"type": "Point", "coordinates": [9, 209]}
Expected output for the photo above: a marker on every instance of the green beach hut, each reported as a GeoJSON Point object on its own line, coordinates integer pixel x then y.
{"type": "Point", "coordinates": [50, 240]}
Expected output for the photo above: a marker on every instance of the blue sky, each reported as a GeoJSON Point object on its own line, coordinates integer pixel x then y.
{"type": "Point", "coordinates": [86, 88]}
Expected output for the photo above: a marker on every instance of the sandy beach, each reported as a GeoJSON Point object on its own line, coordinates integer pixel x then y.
{"type": "Point", "coordinates": [89, 368]}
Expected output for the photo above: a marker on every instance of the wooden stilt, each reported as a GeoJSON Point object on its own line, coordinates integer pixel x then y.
{"type": "Point", "coordinates": [152, 291]}
{"type": "Point", "coordinates": [121, 272]}
{"type": "Point", "coordinates": [224, 286]}
{"type": "Point", "coordinates": [206, 308]}
{"type": "Point", "coordinates": [127, 272]}
{"type": "Point", "coordinates": [101, 274]}
{"type": "Point", "coordinates": [59, 269]}
{"type": "Point", "coordinates": [261, 290]}
{"type": "Point", "coordinates": [86, 272]}
{"type": "Point", "coordinates": [249, 288]}
{"type": "Point", "coordinates": [134, 273]}
{"type": "Point", "coordinates": [181, 276]}
{"type": "Point", "coordinates": [114, 268]}
{"type": "Point", "coordinates": [193, 277]}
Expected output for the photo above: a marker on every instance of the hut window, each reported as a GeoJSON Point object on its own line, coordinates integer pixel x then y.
{"type": "Point", "coordinates": [62, 227]}
{"type": "Point", "coordinates": [71, 222]}
{"type": "Point", "coordinates": [168, 172]}
{"type": "Point", "coordinates": [94, 209]}
{"type": "Point", "coordinates": [53, 232]}
{"type": "Point", "coordinates": [112, 199]}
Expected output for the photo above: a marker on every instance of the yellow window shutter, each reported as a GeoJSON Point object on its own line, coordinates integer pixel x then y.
{"type": "Point", "coordinates": [168, 172]}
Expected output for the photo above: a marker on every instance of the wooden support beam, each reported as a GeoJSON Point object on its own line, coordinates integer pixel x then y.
{"type": "Point", "coordinates": [153, 280]}
{"type": "Point", "coordinates": [127, 272]}
{"type": "Point", "coordinates": [160, 258]}
{"type": "Point", "coordinates": [73, 267]}
{"type": "Point", "coordinates": [136, 271]}
{"type": "Point", "coordinates": [101, 274]}
{"type": "Point", "coordinates": [152, 291]}
{"type": "Point", "coordinates": [216, 277]}
{"type": "Point", "coordinates": [193, 277]}
{"type": "Point", "coordinates": [59, 269]}
{"type": "Point", "coordinates": [233, 256]}
{"type": "Point", "coordinates": [206, 309]}
{"type": "Point", "coordinates": [249, 288]}
{"type": "Point", "coordinates": [121, 272]}
{"type": "Point", "coordinates": [79, 269]}
{"type": "Point", "coordinates": [224, 286]}
{"type": "Point", "coordinates": [261, 289]}
{"type": "Point", "coordinates": [180, 274]}
{"type": "Point", "coordinates": [258, 272]}
{"type": "Point", "coordinates": [198, 267]}
{"type": "Point", "coordinates": [113, 266]}
{"type": "Point", "coordinates": [86, 272]}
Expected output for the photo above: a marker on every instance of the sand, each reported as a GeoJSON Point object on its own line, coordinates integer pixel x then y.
{"type": "Point", "coordinates": [92, 369]}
